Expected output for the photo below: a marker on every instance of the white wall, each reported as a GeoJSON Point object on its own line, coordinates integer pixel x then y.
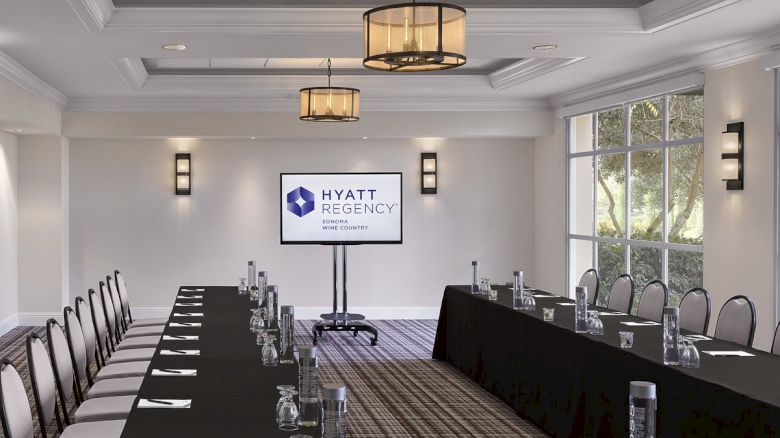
{"type": "Point", "coordinates": [738, 225]}
{"type": "Point", "coordinates": [549, 211]}
{"type": "Point", "coordinates": [43, 232]}
{"type": "Point", "coordinates": [124, 215]}
{"type": "Point", "coordinates": [8, 232]}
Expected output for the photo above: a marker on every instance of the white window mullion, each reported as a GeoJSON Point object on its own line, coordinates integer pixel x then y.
{"type": "Point", "coordinates": [665, 198]}
{"type": "Point", "coordinates": [627, 189]}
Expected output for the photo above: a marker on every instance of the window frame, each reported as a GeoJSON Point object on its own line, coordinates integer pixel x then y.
{"type": "Point", "coordinates": [627, 241]}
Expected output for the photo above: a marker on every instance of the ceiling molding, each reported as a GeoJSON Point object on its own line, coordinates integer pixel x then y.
{"type": "Point", "coordinates": [132, 71]}
{"type": "Point", "coordinates": [662, 14]}
{"type": "Point", "coordinates": [94, 14]}
{"type": "Point", "coordinates": [527, 69]}
{"type": "Point", "coordinates": [260, 104]}
{"type": "Point", "coordinates": [25, 79]}
{"type": "Point", "coordinates": [318, 21]}
{"type": "Point", "coordinates": [721, 57]}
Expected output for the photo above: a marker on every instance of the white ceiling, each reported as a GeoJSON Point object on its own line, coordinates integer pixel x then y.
{"type": "Point", "coordinates": [91, 53]}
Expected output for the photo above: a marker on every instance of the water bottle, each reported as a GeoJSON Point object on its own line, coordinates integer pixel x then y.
{"type": "Point", "coordinates": [475, 277]}
{"type": "Point", "coordinates": [271, 298]}
{"type": "Point", "coordinates": [581, 309]}
{"type": "Point", "coordinates": [262, 282]}
{"type": "Point", "coordinates": [517, 290]}
{"type": "Point", "coordinates": [641, 410]}
{"type": "Point", "coordinates": [253, 293]}
{"type": "Point", "coordinates": [252, 276]}
{"type": "Point", "coordinates": [334, 410]}
{"type": "Point", "coordinates": [308, 383]}
{"type": "Point", "coordinates": [671, 339]}
{"type": "Point", "coordinates": [286, 324]}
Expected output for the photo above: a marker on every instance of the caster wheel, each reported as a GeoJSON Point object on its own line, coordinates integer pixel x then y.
{"type": "Point", "coordinates": [373, 342]}
{"type": "Point", "coordinates": [354, 335]}
{"type": "Point", "coordinates": [314, 341]}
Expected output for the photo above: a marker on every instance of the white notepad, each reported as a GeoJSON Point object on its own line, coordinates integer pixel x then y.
{"type": "Point", "coordinates": [165, 403]}
{"type": "Point", "coordinates": [190, 297]}
{"type": "Point", "coordinates": [189, 304]}
{"type": "Point", "coordinates": [187, 314]}
{"type": "Point", "coordinates": [565, 304]}
{"type": "Point", "coordinates": [611, 314]}
{"type": "Point", "coordinates": [193, 290]}
{"type": "Point", "coordinates": [546, 296]}
{"type": "Point", "coordinates": [698, 337]}
{"type": "Point", "coordinates": [184, 324]}
{"type": "Point", "coordinates": [640, 324]}
{"type": "Point", "coordinates": [180, 352]}
{"type": "Point", "coordinates": [174, 372]}
{"type": "Point", "coordinates": [729, 353]}
{"type": "Point", "coordinates": [180, 337]}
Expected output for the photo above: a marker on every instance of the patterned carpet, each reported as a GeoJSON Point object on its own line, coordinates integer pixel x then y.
{"type": "Point", "coordinates": [395, 389]}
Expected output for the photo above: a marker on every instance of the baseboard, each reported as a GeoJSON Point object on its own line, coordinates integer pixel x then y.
{"type": "Point", "coordinates": [38, 318]}
{"type": "Point", "coordinates": [305, 312]}
{"type": "Point", "coordinates": [9, 323]}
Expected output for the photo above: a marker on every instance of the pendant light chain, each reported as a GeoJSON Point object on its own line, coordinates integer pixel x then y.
{"type": "Point", "coordinates": [329, 73]}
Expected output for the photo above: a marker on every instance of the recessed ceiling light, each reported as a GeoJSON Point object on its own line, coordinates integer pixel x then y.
{"type": "Point", "coordinates": [174, 47]}
{"type": "Point", "coordinates": [253, 138]}
{"type": "Point", "coordinates": [365, 138]}
{"type": "Point", "coordinates": [545, 47]}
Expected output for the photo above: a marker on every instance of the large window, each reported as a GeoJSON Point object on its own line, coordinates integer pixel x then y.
{"type": "Point", "coordinates": [635, 193]}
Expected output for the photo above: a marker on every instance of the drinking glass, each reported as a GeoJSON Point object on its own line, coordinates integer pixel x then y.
{"type": "Point", "coordinates": [288, 412]}
{"type": "Point", "coordinates": [626, 339]}
{"type": "Point", "coordinates": [549, 313]}
{"type": "Point", "coordinates": [690, 355]}
{"type": "Point", "coordinates": [270, 355]}
{"type": "Point", "coordinates": [484, 286]}
{"type": "Point", "coordinates": [529, 303]}
{"type": "Point", "coordinates": [595, 326]}
{"type": "Point", "coordinates": [242, 286]}
{"type": "Point", "coordinates": [283, 390]}
{"type": "Point", "coordinates": [256, 322]}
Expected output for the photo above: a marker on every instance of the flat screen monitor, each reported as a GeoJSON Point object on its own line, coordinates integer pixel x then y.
{"type": "Point", "coordinates": [341, 208]}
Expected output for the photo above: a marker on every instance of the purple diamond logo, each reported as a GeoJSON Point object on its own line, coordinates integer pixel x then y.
{"type": "Point", "coordinates": [300, 202]}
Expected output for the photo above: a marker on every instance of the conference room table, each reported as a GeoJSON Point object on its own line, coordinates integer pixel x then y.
{"type": "Point", "coordinates": [571, 384]}
{"type": "Point", "coordinates": [233, 394]}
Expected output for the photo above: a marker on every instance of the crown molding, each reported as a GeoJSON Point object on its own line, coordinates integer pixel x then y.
{"type": "Point", "coordinates": [132, 71]}
{"type": "Point", "coordinates": [725, 56]}
{"type": "Point", "coordinates": [183, 103]}
{"type": "Point", "coordinates": [318, 21]}
{"type": "Point", "coordinates": [662, 14]}
{"type": "Point", "coordinates": [94, 14]}
{"type": "Point", "coordinates": [25, 79]}
{"type": "Point", "coordinates": [527, 69]}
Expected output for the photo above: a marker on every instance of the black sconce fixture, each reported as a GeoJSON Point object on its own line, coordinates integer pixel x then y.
{"type": "Point", "coordinates": [733, 156]}
{"type": "Point", "coordinates": [183, 174]}
{"type": "Point", "coordinates": [428, 169]}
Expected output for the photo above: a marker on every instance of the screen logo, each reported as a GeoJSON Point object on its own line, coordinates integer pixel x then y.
{"type": "Point", "coordinates": [300, 202]}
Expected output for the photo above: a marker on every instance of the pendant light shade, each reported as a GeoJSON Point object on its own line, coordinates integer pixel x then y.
{"type": "Point", "coordinates": [413, 37]}
{"type": "Point", "coordinates": [330, 104]}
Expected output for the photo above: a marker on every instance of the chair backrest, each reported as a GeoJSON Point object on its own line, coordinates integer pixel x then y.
{"type": "Point", "coordinates": [121, 287]}
{"type": "Point", "coordinates": [60, 360]}
{"type": "Point", "coordinates": [737, 321]}
{"type": "Point", "coordinates": [108, 310]}
{"type": "Point", "coordinates": [654, 298]}
{"type": "Point", "coordinates": [621, 296]}
{"type": "Point", "coordinates": [76, 345]}
{"type": "Point", "coordinates": [99, 318]}
{"type": "Point", "coordinates": [44, 386]}
{"type": "Point", "coordinates": [695, 309]}
{"type": "Point", "coordinates": [15, 414]}
{"type": "Point", "coordinates": [116, 302]}
{"type": "Point", "coordinates": [776, 341]}
{"type": "Point", "coordinates": [591, 280]}
{"type": "Point", "coordinates": [84, 315]}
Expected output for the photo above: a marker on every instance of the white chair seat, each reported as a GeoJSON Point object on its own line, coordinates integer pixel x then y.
{"type": "Point", "coordinates": [141, 342]}
{"type": "Point", "coordinates": [146, 322]}
{"type": "Point", "coordinates": [102, 409]}
{"type": "Point", "coordinates": [115, 387]}
{"type": "Point", "coordinates": [132, 355]}
{"type": "Point", "coordinates": [96, 429]}
{"type": "Point", "coordinates": [138, 332]}
{"type": "Point", "coordinates": [120, 370]}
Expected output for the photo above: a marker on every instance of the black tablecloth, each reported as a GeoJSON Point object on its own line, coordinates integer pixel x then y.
{"type": "Point", "coordinates": [572, 384]}
{"type": "Point", "coordinates": [233, 395]}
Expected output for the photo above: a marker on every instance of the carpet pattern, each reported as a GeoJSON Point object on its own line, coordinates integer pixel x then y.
{"type": "Point", "coordinates": [394, 389]}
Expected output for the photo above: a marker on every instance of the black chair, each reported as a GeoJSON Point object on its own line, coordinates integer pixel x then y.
{"type": "Point", "coordinates": [591, 280]}
{"type": "Point", "coordinates": [776, 341]}
{"type": "Point", "coordinates": [737, 321]}
{"type": "Point", "coordinates": [621, 295]}
{"type": "Point", "coordinates": [654, 298]}
{"type": "Point", "coordinates": [695, 309]}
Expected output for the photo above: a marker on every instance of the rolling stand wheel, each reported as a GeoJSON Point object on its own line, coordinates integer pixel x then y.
{"type": "Point", "coordinates": [373, 342]}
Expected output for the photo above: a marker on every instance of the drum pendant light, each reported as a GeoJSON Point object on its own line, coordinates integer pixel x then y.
{"type": "Point", "coordinates": [330, 104]}
{"type": "Point", "coordinates": [414, 37]}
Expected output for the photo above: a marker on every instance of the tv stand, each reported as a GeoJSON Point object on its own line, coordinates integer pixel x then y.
{"type": "Point", "coordinates": [342, 321]}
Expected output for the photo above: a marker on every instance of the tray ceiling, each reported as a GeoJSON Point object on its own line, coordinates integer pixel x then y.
{"type": "Point", "coordinates": [368, 4]}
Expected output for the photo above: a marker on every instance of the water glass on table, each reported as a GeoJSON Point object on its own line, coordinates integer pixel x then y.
{"type": "Point", "coordinates": [287, 416]}
{"type": "Point", "coordinates": [595, 326]}
{"type": "Point", "coordinates": [690, 354]}
{"type": "Point", "coordinates": [549, 314]}
{"type": "Point", "coordinates": [626, 339]}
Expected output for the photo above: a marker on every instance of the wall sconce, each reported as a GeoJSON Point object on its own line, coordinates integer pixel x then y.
{"type": "Point", "coordinates": [183, 174]}
{"type": "Point", "coordinates": [428, 171]}
{"type": "Point", "coordinates": [732, 156]}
